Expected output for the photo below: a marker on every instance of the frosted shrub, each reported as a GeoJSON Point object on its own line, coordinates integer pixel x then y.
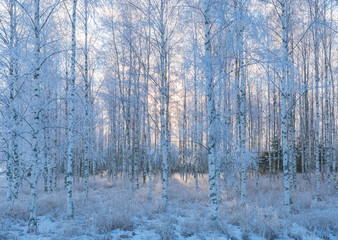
{"type": "Point", "coordinates": [72, 229]}
{"type": "Point", "coordinates": [190, 227]}
{"type": "Point", "coordinates": [252, 219]}
{"type": "Point", "coordinates": [123, 222]}
{"type": "Point", "coordinates": [166, 230]}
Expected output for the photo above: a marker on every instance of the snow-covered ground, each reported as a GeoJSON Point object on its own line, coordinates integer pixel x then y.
{"type": "Point", "coordinates": [112, 212]}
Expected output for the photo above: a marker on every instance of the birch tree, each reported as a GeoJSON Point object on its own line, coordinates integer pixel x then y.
{"type": "Point", "coordinates": [71, 119]}
{"type": "Point", "coordinates": [87, 101]}
{"type": "Point", "coordinates": [242, 115]}
{"type": "Point", "coordinates": [163, 91]}
{"type": "Point", "coordinates": [12, 163]}
{"type": "Point", "coordinates": [316, 59]}
{"type": "Point", "coordinates": [148, 137]}
{"type": "Point", "coordinates": [285, 63]}
{"type": "Point", "coordinates": [211, 110]}
{"type": "Point", "coordinates": [32, 223]}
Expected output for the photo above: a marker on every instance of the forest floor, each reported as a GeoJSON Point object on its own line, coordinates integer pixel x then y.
{"type": "Point", "coordinates": [112, 212]}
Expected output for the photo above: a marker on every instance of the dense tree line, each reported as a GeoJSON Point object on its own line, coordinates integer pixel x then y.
{"type": "Point", "coordinates": [228, 88]}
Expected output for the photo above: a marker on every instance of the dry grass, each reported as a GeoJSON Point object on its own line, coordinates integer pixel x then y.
{"type": "Point", "coordinates": [111, 207]}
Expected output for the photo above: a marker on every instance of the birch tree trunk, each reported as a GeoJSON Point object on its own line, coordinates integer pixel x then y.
{"type": "Point", "coordinates": [87, 102]}
{"type": "Point", "coordinates": [316, 52]}
{"type": "Point", "coordinates": [10, 172]}
{"type": "Point", "coordinates": [9, 177]}
{"type": "Point", "coordinates": [269, 126]}
{"type": "Point", "coordinates": [14, 77]}
{"type": "Point", "coordinates": [195, 136]}
{"type": "Point", "coordinates": [333, 115]}
{"type": "Point", "coordinates": [307, 149]}
{"type": "Point", "coordinates": [163, 107]}
{"type": "Point", "coordinates": [242, 115]}
{"type": "Point", "coordinates": [32, 223]}
{"type": "Point", "coordinates": [211, 110]}
{"type": "Point", "coordinates": [184, 131]}
{"type": "Point", "coordinates": [329, 135]}
{"type": "Point", "coordinates": [148, 144]}
{"type": "Point", "coordinates": [137, 136]}
{"type": "Point", "coordinates": [148, 152]}
{"type": "Point", "coordinates": [285, 62]}
{"type": "Point", "coordinates": [327, 115]}
{"type": "Point", "coordinates": [292, 119]}
{"type": "Point", "coordinates": [71, 123]}
{"type": "Point", "coordinates": [128, 132]}
{"type": "Point", "coordinates": [333, 122]}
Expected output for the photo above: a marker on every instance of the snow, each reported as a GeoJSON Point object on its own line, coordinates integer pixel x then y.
{"type": "Point", "coordinates": [112, 212]}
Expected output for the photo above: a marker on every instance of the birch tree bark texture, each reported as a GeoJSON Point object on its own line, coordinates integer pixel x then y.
{"type": "Point", "coordinates": [211, 110]}
{"type": "Point", "coordinates": [71, 119]}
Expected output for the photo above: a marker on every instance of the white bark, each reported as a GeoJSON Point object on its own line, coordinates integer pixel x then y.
{"type": "Point", "coordinates": [87, 102]}
{"type": "Point", "coordinates": [162, 110]}
{"type": "Point", "coordinates": [11, 108]}
{"type": "Point", "coordinates": [13, 79]}
{"type": "Point", "coordinates": [71, 123]}
{"type": "Point", "coordinates": [327, 122]}
{"type": "Point", "coordinates": [333, 115]}
{"type": "Point", "coordinates": [128, 134]}
{"type": "Point", "coordinates": [137, 135]}
{"type": "Point", "coordinates": [211, 110]}
{"type": "Point", "coordinates": [195, 137]}
{"type": "Point", "coordinates": [32, 223]}
{"type": "Point", "coordinates": [316, 52]}
{"type": "Point", "coordinates": [242, 115]}
{"type": "Point", "coordinates": [148, 143]}
{"type": "Point", "coordinates": [184, 131]}
{"type": "Point", "coordinates": [9, 181]}
{"type": "Point", "coordinates": [285, 62]}
{"type": "Point", "coordinates": [94, 171]}
{"type": "Point", "coordinates": [333, 119]}
{"type": "Point", "coordinates": [307, 149]}
{"type": "Point", "coordinates": [149, 157]}
{"type": "Point", "coordinates": [269, 126]}
{"type": "Point", "coordinates": [292, 119]}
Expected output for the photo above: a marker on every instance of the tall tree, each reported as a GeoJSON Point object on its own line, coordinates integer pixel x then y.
{"type": "Point", "coordinates": [284, 112]}
{"type": "Point", "coordinates": [211, 110]}
{"type": "Point", "coordinates": [87, 101]}
{"type": "Point", "coordinates": [317, 79]}
{"type": "Point", "coordinates": [164, 96]}
{"type": "Point", "coordinates": [32, 223]}
{"type": "Point", "coordinates": [71, 123]}
{"type": "Point", "coordinates": [242, 115]}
